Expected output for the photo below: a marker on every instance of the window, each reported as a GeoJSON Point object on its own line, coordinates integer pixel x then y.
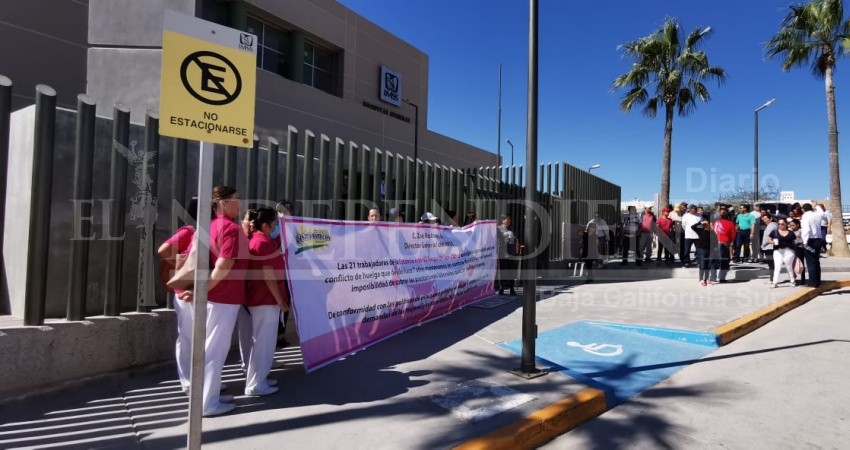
{"type": "Point", "coordinates": [272, 44]}
{"type": "Point", "coordinates": [319, 68]}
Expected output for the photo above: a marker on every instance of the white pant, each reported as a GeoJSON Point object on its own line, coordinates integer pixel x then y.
{"type": "Point", "coordinates": [245, 334]}
{"type": "Point", "coordinates": [264, 321]}
{"type": "Point", "coordinates": [183, 347]}
{"type": "Point", "coordinates": [221, 318]}
{"type": "Point", "coordinates": [783, 257]}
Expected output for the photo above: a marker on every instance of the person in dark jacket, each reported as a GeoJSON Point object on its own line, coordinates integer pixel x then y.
{"type": "Point", "coordinates": [707, 265]}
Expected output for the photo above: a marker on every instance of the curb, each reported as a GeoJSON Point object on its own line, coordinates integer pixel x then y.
{"type": "Point", "coordinates": [564, 415]}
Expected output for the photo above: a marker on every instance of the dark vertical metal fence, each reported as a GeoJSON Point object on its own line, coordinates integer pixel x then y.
{"type": "Point", "coordinates": [39, 219]}
{"type": "Point", "coordinates": [118, 209]}
{"type": "Point", "coordinates": [339, 182]}
{"type": "Point", "coordinates": [83, 160]}
{"type": "Point", "coordinates": [5, 114]}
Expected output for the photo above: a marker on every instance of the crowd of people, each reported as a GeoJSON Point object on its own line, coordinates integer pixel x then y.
{"type": "Point", "coordinates": [717, 238]}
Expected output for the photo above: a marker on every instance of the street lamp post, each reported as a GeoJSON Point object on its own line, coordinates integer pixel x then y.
{"type": "Point", "coordinates": [512, 150]}
{"type": "Point", "coordinates": [756, 151]}
{"type": "Point", "coordinates": [415, 129]}
{"type": "Point", "coordinates": [595, 166]}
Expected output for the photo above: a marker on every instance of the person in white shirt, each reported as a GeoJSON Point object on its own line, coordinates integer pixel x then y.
{"type": "Point", "coordinates": [813, 241]}
{"type": "Point", "coordinates": [601, 232]}
{"type": "Point", "coordinates": [826, 221]}
{"type": "Point", "coordinates": [689, 220]}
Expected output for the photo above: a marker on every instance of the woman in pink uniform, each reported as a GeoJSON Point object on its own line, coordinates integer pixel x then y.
{"type": "Point", "coordinates": [267, 297]}
{"type": "Point", "coordinates": [180, 243]}
{"type": "Point", "coordinates": [226, 291]}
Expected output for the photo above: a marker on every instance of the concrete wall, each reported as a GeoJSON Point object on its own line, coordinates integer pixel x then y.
{"type": "Point", "coordinates": [44, 42]}
{"type": "Point", "coordinates": [37, 358]}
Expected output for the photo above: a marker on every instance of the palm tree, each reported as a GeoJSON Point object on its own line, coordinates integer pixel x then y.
{"type": "Point", "coordinates": [668, 70]}
{"type": "Point", "coordinates": [817, 33]}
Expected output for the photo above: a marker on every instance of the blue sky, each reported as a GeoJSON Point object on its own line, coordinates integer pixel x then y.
{"type": "Point", "coordinates": [579, 118]}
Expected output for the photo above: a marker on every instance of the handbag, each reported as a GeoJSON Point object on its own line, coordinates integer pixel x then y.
{"type": "Point", "coordinates": [184, 271]}
{"type": "Point", "coordinates": [798, 266]}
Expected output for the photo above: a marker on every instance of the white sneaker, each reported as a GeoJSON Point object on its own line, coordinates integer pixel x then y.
{"type": "Point", "coordinates": [271, 381]}
{"type": "Point", "coordinates": [225, 399]}
{"type": "Point", "coordinates": [219, 409]}
{"type": "Point", "coordinates": [259, 392]}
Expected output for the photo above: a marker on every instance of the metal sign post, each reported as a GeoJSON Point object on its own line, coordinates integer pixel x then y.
{"type": "Point", "coordinates": [207, 93]}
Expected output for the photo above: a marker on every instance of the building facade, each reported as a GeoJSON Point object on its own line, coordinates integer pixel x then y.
{"type": "Point", "coordinates": [320, 67]}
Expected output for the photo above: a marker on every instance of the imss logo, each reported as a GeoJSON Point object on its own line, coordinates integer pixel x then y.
{"type": "Point", "coordinates": [390, 83]}
{"type": "Point", "coordinates": [246, 42]}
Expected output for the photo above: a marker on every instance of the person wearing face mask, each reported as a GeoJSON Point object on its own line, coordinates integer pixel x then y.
{"type": "Point", "coordinates": [266, 297]}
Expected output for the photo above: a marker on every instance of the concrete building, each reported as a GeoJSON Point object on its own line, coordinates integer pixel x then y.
{"type": "Point", "coordinates": [320, 66]}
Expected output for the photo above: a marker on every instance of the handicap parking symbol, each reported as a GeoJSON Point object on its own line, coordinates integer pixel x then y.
{"type": "Point", "coordinates": [598, 349]}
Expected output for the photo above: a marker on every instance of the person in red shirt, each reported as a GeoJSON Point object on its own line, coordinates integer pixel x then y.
{"type": "Point", "coordinates": [725, 231]}
{"type": "Point", "coordinates": [665, 224]}
{"type": "Point", "coordinates": [226, 292]}
{"type": "Point", "coordinates": [180, 243]}
{"type": "Point", "coordinates": [267, 297]}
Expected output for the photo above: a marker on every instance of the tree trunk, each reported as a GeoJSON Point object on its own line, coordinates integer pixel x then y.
{"type": "Point", "coordinates": [664, 194]}
{"type": "Point", "coordinates": [839, 240]}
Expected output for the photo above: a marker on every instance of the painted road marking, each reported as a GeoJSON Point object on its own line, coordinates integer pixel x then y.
{"type": "Point", "coordinates": [597, 349]}
{"type": "Point", "coordinates": [643, 357]}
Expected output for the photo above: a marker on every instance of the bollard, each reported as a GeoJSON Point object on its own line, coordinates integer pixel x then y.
{"type": "Point", "coordinates": [271, 170]}
{"type": "Point", "coordinates": [118, 197]}
{"type": "Point", "coordinates": [39, 220]}
{"type": "Point", "coordinates": [83, 160]}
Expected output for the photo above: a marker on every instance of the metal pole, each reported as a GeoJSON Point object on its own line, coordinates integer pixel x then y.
{"type": "Point", "coordinates": [339, 149]}
{"type": "Point", "coordinates": [230, 165]}
{"type": "Point", "coordinates": [251, 171]}
{"type": "Point", "coordinates": [39, 219]}
{"type": "Point", "coordinates": [178, 172]}
{"type": "Point", "coordinates": [307, 175]}
{"type": "Point", "coordinates": [324, 155]}
{"type": "Point", "coordinates": [527, 367]}
{"type": "Point", "coordinates": [499, 128]}
{"type": "Point", "coordinates": [5, 114]}
{"type": "Point", "coordinates": [271, 170]}
{"type": "Point", "coordinates": [291, 164]}
{"type": "Point", "coordinates": [199, 321]}
{"type": "Point", "coordinates": [350, 211]}
{"type": "Point", "coordinates": [118, 197]}
{"type": "Point", "coordinates": [756, 159]}
{"type": "Point", "coordinates": [146, 298]}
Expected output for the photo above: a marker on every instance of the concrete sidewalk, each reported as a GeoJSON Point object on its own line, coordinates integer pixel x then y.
{"type": "Point", "coordinates": [388, 395]}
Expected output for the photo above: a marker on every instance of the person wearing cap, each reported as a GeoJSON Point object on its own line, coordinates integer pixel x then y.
{"type": "Point", "coordinates": [508, 246]}
{"type": "Point", "coordinates": [428, 218]}
{"type": "Point", "coordinates": [395, 215]}
{"type": "Point", "coordinates": [688, 221]}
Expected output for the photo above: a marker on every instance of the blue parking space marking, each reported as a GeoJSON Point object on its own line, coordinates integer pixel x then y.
{"type": "Point", "coordinates": [622, 360]}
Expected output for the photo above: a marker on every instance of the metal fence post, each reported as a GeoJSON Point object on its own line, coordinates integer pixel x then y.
{"type": "Point", "coordinates": [178, 172]}
{"type": "Point", "coordinates": [271, 170]}
{"type": "Point", "coordinates": [365, 154]}
{"type": "Point", "coordinates": [5, 114]}
{"type": "Point", "coordinates": [339, 149]}
{"type": "Point", "coordinates": [146, 294]}
{"type": "Point", "coordinates": [83, 159]}
{"type": "Point", "coordinates": [291, 164]}
{"type": "Point", "coordinates": [307, 198]}
{"type": "Point", "coordinates": [409, 188]}
{"type": "Point", "coordinates": [229, 166]}
{"type": "Point", "coordinates": [352, 181]}
{"type": "Point", "coordinates": [118, 197]}
{"type": "Point", "coordinates": [251, 187]}
{"type": "Point", "coordinates": [39, 220]}
{"type": "Point", "coordinates": [324, 154]}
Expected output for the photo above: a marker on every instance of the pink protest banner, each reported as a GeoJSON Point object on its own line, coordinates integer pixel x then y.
{"type": "Point", "coordinates": [356, 283]}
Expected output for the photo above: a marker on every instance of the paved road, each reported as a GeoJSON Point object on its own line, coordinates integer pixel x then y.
{"type": "Point", "coordinates": [784, 386]}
